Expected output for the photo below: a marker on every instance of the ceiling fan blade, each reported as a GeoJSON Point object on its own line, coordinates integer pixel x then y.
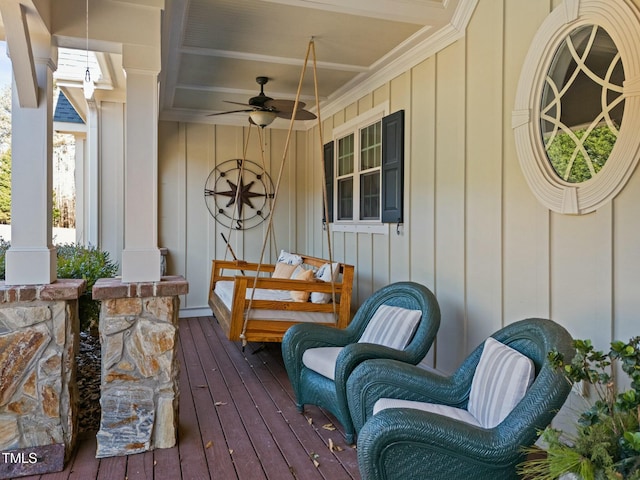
{"type": "Point", "coordinates": [280, 105]}
{"type": "Point", "coordinates": [239, 103]}
{"type": "Point", "coordinates": [230, 111]}
{"type": "Point", "coordinates": [300, 115]}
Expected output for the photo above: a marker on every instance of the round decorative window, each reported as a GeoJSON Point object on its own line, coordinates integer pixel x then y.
{"type": "Point", "coordinates": [582, 104]}
{"type": "Point", "coordinates": [576, 109]}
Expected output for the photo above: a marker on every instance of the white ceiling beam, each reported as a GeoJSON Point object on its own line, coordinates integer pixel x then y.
{"type": "Point", "coordinates": [143, 3]}
{"type": "Point", "coordinates": [420, 12]}
{"type": "Point", "coordinates": [254, 57]}
{"type": "Point", "coordinates": [20, 52]}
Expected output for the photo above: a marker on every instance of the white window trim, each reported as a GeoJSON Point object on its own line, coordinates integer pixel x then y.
{"type": "Point", "coordinates": [620, 20]}
{"type": "Point", "coordinates": [353, 126]}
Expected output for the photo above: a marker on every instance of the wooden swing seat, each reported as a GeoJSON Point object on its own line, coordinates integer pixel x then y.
{"type": "Point", "coordinates": [272, 310]}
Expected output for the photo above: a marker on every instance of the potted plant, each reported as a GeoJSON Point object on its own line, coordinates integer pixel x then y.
{"type": "Point", "coordinates": [606, 445]}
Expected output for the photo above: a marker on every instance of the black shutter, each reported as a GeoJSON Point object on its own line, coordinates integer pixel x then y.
{"type": "Point", "coordinates": [393, 167]}
{"type": "Point", "coordinates": [328, 176]}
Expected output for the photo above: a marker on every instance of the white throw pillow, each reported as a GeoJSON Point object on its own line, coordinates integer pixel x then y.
{"type": "Point", "coordinates": [391, 326]}
{"type": "Point", "coordinates": [289, 258]}
{"type": "Point", "coordinates": [500, 381]}
{"type": "Point", "coordinates": [324, 274]}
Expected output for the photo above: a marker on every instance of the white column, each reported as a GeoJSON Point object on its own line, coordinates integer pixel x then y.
{"type": "Point", "coordinates": [31, 260]}
{"type": "Point", "coordinates": [92, 163]}
{"type": "Point", "coordinates": [141, 256]}
{"type": "Point", "coordinates": [81, 146]}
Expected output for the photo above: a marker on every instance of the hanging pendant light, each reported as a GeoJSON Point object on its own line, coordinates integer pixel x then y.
{"type": "Point", "coordinates": [88, 87]}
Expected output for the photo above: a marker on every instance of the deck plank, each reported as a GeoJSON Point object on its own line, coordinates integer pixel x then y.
{"type": "Point", "coordinates": [251, 452]}
{"type": "Point", "coordinates": [256, 417]}
{"type": "Point", "coordinates": [193, 461]}
{"type": "Point", "coordinates": [260, 410]}
{"type": "Point", "coordinates": [112, 467]}
{"type": "Point", "coordinates": [270, 357]}
{"type": "Point", "coordinates": [312, 437]}
{"type": "Point", "coordinates": [85, 464]}
{"type": "Point", "coordinates": [166, 464]}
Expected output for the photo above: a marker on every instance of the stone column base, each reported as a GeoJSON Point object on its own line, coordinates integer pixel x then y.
{"type": "Point", "coordinates": [138, 332]}
{"type": "Point", "coordinates": [38, 392]}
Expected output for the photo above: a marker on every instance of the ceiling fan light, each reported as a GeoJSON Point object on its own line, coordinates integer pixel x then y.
{"type": "Point", "coordinates": [262, 118]}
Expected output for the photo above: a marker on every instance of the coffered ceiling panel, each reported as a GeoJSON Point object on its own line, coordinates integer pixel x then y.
{"type": "Point", "coordinates": [214, 49]}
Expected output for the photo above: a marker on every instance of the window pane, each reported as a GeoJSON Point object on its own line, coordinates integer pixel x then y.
{"type": "Point", "coordinates": [345, 199]}
{"type": "Point", "coordinates": [345, 155]}
{"type": "Point", "coordinates": [582, 104]}
{"type": "Point", "coordinates": [370, 196]}
{"type": "Point", "coordinates": [370, 141]}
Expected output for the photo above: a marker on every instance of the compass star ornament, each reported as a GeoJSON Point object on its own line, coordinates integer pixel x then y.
{"type": "Point", "coordinates": [249, 185]}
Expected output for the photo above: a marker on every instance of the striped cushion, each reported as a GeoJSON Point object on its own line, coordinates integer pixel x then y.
{"type": "Point", "coordinates": [391, 326]}
{"type": "Point", "coordinates": [444, 410]}
{"type": "Point", "coordinates": [500, 381]}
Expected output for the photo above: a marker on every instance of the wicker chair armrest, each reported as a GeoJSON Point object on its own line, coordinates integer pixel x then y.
{"type": "Point", "coordinates": [303, 336]}
{"type": "Point", "coordinates": [386, 436]}
{"type": "Point", "coordinates": [356, 353]}
{"type": "Point", "coordinates": [375, 379]}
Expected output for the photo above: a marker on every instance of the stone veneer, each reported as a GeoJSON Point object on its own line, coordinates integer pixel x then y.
{"type": "Point", "coordinates": [38, 394]}
{"type": "Point", "coordinates": [139, 386]}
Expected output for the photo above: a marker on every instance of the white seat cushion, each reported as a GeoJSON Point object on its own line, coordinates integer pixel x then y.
{"type": "Point", "coordinates": [444, 410]}
{"type": "Point", "coordinates": [322, 360]}
{"type": "Point", "coordinates": [391, 326]}
{"type": "Point", "coordinates": [500, 381]}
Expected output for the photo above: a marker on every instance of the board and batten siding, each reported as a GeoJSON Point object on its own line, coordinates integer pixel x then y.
{"type": "Point", "coordinates": [188, 153]}
{"type": "Point", "coordinates": [473, 232]}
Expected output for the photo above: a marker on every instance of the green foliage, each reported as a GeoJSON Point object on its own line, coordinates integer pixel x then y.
{"type": "Point", "coordinates": [607, 443]}
{"type": "Point", "coordinates": [4, 246]}
{"type": "Point", "coordinates": [5, 117]}
{"type": "Point", "coordinates": [77, 261]}
{"type": "Point", "coordinates": [90, 264]}
{"type": "Point", "coordinates": [598, 146]}
{"type": "Point", "coordinates": [5, 187]}
{"type": "Point", "coordinates": [55, 211]}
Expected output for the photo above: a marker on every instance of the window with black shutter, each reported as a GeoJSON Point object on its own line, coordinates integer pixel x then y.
{"type": "Point", "coordinates": [364, 168]}
{"type": "Point", "coordinates": [328, 178]}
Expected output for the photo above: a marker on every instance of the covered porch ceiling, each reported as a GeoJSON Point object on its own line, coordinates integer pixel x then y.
{"type": "Point", "coordinates": [213, 50]}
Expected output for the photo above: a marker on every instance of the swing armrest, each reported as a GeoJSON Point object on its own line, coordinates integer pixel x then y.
{"type": "Point", "coordinates": [218, 266]}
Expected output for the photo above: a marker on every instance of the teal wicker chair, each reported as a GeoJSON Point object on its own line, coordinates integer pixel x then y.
{"type": "Point", "coordinates": [311, 387]}
{"type": "Point", "coordinates": [406, 443]}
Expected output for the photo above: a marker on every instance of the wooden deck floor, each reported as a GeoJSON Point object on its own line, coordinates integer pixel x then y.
{"type": "Point", "coordinates": [238, 420]}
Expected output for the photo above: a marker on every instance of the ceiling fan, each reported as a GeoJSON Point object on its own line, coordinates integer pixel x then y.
{"type": "Point", "coordinates": [263, 110]}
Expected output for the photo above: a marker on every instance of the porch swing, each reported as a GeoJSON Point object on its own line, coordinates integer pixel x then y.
{"type": "Point", "coordinates": [258, 302]}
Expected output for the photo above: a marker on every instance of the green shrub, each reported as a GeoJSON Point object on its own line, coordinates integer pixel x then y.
{"type": "Point", "coordinates": [77, 261]}
{"type": "Point", "coordinates": [606, 445]}
{"type": "Point", "coordinates": [4, 246]}
{"type": "Point", "coordinates": [90, 264]}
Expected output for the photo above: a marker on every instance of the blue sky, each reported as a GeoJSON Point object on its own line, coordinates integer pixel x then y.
{"type": "Point", "coordinates": [5, 65]}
